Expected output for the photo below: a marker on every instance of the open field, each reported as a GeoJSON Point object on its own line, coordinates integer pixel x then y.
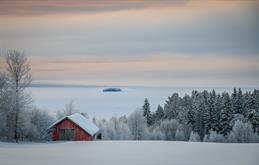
{"type": "Point", "coordinates": [129, 152]}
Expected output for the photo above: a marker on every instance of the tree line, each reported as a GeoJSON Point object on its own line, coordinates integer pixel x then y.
{"type": "Point", "coordinates": [201, 116]}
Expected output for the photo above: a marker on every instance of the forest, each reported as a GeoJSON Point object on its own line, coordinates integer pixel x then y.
{"type": "Point", "coordinates": [202, 116]}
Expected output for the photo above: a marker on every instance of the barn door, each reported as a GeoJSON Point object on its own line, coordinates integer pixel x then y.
{"type": "Point", "coordinates": [62, 134]}
{"type": "Point", "coordinates": [66, 134]}
{"type": "Point", "coordinates": [69, 134]}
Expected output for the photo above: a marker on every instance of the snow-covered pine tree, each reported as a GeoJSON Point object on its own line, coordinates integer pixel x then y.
{"type": "Point", "coordinates": [252, 110]}
{"type": "Point", "coordinates": [172, 106]}
{"type": "Point", "coordinates": [256, 98]}
{"type": "Point", "coordinates": [240, 101]}
{"type": "Point", "coordinates": [226, 114]}
{"type": "Point", "coordinates": [193, 110]}
{"type": "Point", "coordinates": [210, 113]}
{"type": "Point", "coordinates": [234, 100]}
{"type": "Point", "coordinates": [237, 101]}
{"type": "Point", "coordinates": [159, 114]}
{"type": "Point", "coordinates": [199, 106]}
{"type": "Point", "coordinates": [147, 112]}
{"type": "Point", "coordinates": [253, 118]}
{"type": "Point", "coordinates": [186, 102]}
{"type": "Point", "coordinates": [218, 109]}
{"type": "Point", "coordinates": [246, 103]}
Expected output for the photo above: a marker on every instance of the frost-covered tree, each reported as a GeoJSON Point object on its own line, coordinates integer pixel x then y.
{"type": "Point", "coordinates": [171, 107]}
{"type": "Point", "coordinates": [213, 136]}
{"type": "Point", "coordinates": [147, 112]}
{"type": "Point", "coordinates": [159, 114]}
{"type": "Point", "coordinates": [211, 113]}
{"type": "Point", "coordinates": [19, 77]}
{"type": "Point", "coordinates": [156, 134]}
{"type": "Point", "coordinates": [115, 129]}
{"type": "Point", "coordinates": [226, 115]}
{"type": "Point", "coordinates": [242, 133]}
{"type": "Point", "coordinates": [179, 135]}
{"type": "Point", "coordinates": [237, 101]}
{"type": "Point", "coordinates": [5, 112]}
{"type": "Point", "coordinates": [199, 107]}
{"type": "Point", "coordinates": [137, 125]}
{"type": "Point", "coordinates": [194, 137]}
{"type": "Point", "coordinates": [256, 99]}
{"type": "Point", "coordinates": [69, 110]}
{"type": "Point", "coordinates": [168, 128]}
{"type": "Point", "coordinates": [40, 120]}
{"type": "Point", "coordinates": [219, 107]}
{"type": "Point", "coordinates": [253, 118]}
{"type": "Point", "coordinates": [191, 114]}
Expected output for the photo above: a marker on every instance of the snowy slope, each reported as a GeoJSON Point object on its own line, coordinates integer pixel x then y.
{"type": "Point", "coordinates": [129, 152]}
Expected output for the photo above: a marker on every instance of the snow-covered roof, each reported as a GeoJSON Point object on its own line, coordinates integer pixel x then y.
{"type": "Point", "coordinates": [84, 123]}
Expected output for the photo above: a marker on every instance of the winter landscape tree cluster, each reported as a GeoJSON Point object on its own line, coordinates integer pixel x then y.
{"type": "Point", "coordinates": [20, 120]}
{"type": "Point", "coordinates": [201, 116]}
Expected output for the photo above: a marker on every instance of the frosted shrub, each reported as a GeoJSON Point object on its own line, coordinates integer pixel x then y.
{"type": "Point", "coordinates": [156, 134]}
{"type": "Point", "coordinates": [214, 137]}
{"type": "Point", "coordinates": [242, 133]}
{"type": "Point", "coordinates": [115, 129]}
{"type": "Point", "coordinates": [168, 128]}
{"type": "Point", "coordinates": [194, 137]}
{"type": "Point", "coordinates": [179, 135]}
{"type": "Point", "coordinates": [138, 125]}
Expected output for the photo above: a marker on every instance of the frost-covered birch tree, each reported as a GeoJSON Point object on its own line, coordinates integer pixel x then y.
{"type": "Point", "coordinates": [137, 125]}
{"type": "Point", "coordinates": [19, 77]}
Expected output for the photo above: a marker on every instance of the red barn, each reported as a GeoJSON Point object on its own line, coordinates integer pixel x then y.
{"type": "Point", "coordinates": [73, 127]}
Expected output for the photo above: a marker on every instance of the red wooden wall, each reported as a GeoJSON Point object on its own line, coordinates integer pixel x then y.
{"type": "Point", "coordinates": [79, 133]}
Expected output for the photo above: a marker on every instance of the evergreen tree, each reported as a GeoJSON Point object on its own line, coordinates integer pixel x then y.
{"type": "Point", "coordinates": [192, 111]}
{"type": "Point", "coordinates": [226, 115]}
{"type": "Point", "coordinates": [199, 107]}
{"type": "Point", "coordinates": [246, 103]}
{"type": "Point", "coordinates": [218, 109]}
{"type": "Point", "coordinates": [172, 106]}
{"type": "Point", "coordinates": [253, 118]}
{"type": "Point", "coordinates": [210, 114]}
{"type": "Point", "coordinates": [237, 101]}
{"type": "Point", "coordinates": [159, 114]}
{"type": "Point", "coordinates": [252, 110]}
{"type": "Point", "coordinates": [147, 112]}
{"type": "Point", "coordinates": [256, 98]}
{"type": "Point", "coordinates": [234, 100]}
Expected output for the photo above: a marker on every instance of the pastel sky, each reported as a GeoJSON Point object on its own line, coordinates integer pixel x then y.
{"type": "Point", "coordinates": [135, 42]}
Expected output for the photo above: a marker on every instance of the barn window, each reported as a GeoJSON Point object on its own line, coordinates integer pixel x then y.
{"type": "Point", "coordinates": [66, 134]}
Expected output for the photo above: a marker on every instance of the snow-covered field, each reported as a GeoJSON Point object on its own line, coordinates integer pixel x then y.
{"type": "Point", "coordinates": [129, 152]}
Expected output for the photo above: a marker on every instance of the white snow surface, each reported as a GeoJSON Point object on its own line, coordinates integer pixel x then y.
{"type": "Point", "coordinates": [81, 121]}
{"type": "Point", "coordinates": [129, 153]}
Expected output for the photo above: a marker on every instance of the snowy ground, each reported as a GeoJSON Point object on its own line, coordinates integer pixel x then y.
{"type": "Point", "coordinates": [129, 152]}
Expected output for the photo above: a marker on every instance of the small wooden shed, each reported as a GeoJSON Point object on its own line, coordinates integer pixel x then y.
{"type": "Point", "coordinates": [74, 127]}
